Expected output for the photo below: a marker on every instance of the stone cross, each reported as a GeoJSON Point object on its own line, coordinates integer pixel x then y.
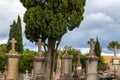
{"type": "Point", "coordinates": [92, 44]}
{"type": "Point", "coordinates": [39, 43]}
{"type": "Point", "coordinates": [66, 49]}
{"type": "Point", "coordinates": [115, 50]}
{"type": "Point", "coordinates": [13, 41]}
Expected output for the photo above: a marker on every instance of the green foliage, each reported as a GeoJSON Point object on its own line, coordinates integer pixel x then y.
{"type": "Point", "coordinates": [101, 64]}
{"type": "Point", "coordinates": [3, 61]}
{"type": "Point", "coordinates": [75, 54]}
{"type": "Point", "coordinates": [26, 61]}
{"type": "Point", "coordinates": [3, 48]}
{"type": "Point", "coordinates": [97, 48]}
{"type": "Point", "coordinates": [83, 60]}
{"type": "Point", "coordinates": [51, 19]}
{"type": "Point", "coordinates": [112, 44]}
{"type": "Point", "coordinates": [16, 32]}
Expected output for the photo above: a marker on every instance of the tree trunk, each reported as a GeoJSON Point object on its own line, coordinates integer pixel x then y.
{"type": "Point", "coordinates": [50, 57]}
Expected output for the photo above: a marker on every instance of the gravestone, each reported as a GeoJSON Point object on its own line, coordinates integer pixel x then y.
{"type": "Point", "coordinates": [39, 63]}
{"type": "Point", "coordinates": [114, 65]}
{"type": "Point", "coordinates": [57, 74]}
{"type": "Point", "coordinates": [26, 76]}
{"type": "Point", "coordinates": [66, 66]}
{"type": "Point", "coordinates": [91, 63]}
{"type": "Point", "coordinates": [1, 76]}
{"type": "Point", "coordinates": [79, 67]}
{"type": "Point", "coordinates": [12, 63]}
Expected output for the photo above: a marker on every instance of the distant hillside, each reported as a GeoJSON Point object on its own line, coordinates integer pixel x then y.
{"type": "Point", "coordinates": [107, 58]}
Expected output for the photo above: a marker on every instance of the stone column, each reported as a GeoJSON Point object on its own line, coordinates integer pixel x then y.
{"type": "Point", "coordinates": [79, 67]}
{"type": "Point", "coordinates": [66, 66]}
{"type": "Point", "coordinates": [57, 74]}
{"type": "Point", "coordinates": [39, 63]}
{"type": "Point", "coordinates": [12, 65]}
{"type": "Point", "coordinates": [92, 61]}
{"type": "Point", "coordinates": [39, 68]}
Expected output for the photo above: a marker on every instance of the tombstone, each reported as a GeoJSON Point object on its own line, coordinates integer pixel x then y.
{"type": "Point", "coordinates": [57, 74]}
{"type": "Point", "coordinates": [114, 65]}
{"type": "Point", "coordinates": [1, 76]}
{"type": "Point", "coordinates": [12, 63]}
{"type": "Point", "coordinates": [39, 63]}
{"type": "Point", "coordinates": [91, 63]}
{"type": "Point", "coordinates": [66, 66]}
{"type": "Point", "coordinates": [26, 76]}
{"type": "Point", "coordinates": [79, 67]}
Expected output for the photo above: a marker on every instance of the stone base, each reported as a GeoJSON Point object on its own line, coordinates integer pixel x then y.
{"type": "Point", "coordinates": [92, 62]}
{"type": "Point", "coordinates": [66, 77]}
{"type": "Point", "coordinates": [12, 67]}
{"type": "Point", "coordinates": [39, 68]}
{"type": "Point", "coordinates": [39, 77]}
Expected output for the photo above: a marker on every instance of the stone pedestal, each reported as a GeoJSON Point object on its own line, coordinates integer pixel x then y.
{"type": "Point", "coordinates": [79, 67]}
{"type": "Point", "coordinates": [66, 67]}
{"type": "Point", "coordinates": [56, 75]}
{"type": "Point", "coordinates": [12, 67]}
{"type": "Point", "coordinates": [39, 68]}
{"type": "Point", "coordinates": [91, 68]}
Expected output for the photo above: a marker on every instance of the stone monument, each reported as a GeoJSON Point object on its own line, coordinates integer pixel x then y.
{"type": "Point", "coordinates": [114, 65]}
{"type": "Point", "coordinates": [57, 74]}
{"type": "Point", "coordinates": [66, 66]}
{"type": "Point", "coordinates": [26, 76]}
{"type": "Point", "coordinates": [12, 63]}
{"type": "Point", "coordinates": [39, 63]}
{"type": "Point", "coordinates": [79, 67]}
{"type": "Point", "coordinates": [91, 63]}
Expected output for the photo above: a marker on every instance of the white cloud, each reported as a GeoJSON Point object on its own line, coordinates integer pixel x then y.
{"type": "Point", "coordinates": [106, 3]}
{"type": "Point", "coordinates": [3, 41]}
{"type": "Point", "coordinates": [99, 17]}
{"type": "Point", "coordinates": [9, 10]}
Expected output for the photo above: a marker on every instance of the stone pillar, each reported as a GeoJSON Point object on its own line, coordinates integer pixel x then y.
{"type": "Point", "coordinates": [92, 62]}
{"type": "Point", "coordinates": [39, 63]}
{"type": "Point", "coordinates": [12, 65]}
{"type": "Point", "coordinates": [79, 67]}
{"type": "Point", "coordinates": [39, 67]}
{"type": "Point", "coordinates": [57, 74]}
{"type": "Point", "coordinates": [66, 66]}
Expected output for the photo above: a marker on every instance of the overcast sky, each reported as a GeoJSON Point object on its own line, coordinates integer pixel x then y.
{"type": "Point", "coordinates": [101, 19]}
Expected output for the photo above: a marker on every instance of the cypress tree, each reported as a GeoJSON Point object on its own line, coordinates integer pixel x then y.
{"type": "Point", "coordinates": [97, 48]}
{"type": "Point", "coordinates": [16, 32]}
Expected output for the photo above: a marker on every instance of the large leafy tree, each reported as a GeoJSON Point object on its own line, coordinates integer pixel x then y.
{"type": "Point", "coordinates": [50, 20]}
{"type": "Point", "coordinates": [16, 32]}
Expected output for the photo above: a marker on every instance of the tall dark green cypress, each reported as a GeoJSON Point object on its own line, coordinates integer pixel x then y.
{"type": "Point", "coordinates": [97, 48]}
{"type": "Point", "coordinates": [101, 64]}
{"type": "Point", "coordinates": [16, 32]}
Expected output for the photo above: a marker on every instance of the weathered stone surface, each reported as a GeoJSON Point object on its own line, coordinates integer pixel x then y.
{"type": "Point", "coordinates": [91, 63]}
{"type": "Point", "coordinates": [12, 64]}
{"type": "Point", "coordinates": [66, 66]}
{"type": "Point", "coordinates": [12, 72]}
{"type": "Point", "coordinates": [39, 63]}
